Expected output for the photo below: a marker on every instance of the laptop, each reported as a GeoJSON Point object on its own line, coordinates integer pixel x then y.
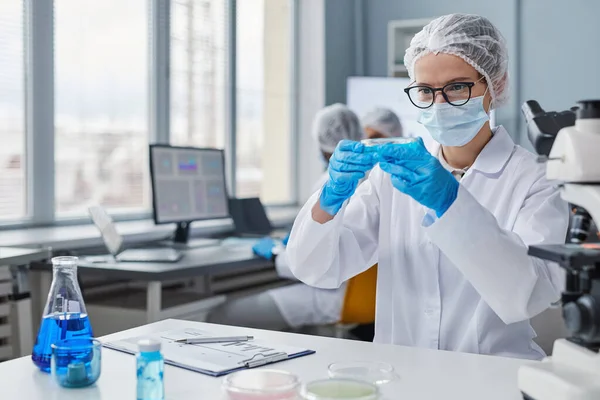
{"type": "Point", "coordinates": [114, 242]}
{"type": "Point", "coordinates": [250, 219]}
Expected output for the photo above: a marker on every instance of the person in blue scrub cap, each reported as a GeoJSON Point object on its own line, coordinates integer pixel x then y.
{"type": "Point", "coordinates": [449, 225]}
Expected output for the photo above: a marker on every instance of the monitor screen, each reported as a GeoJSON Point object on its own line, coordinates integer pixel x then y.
{"type": "Point", "coordinates": [188, 184]}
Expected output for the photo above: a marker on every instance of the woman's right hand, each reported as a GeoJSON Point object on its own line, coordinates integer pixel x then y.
{"type": "Point", "coordinates": [348, 165]}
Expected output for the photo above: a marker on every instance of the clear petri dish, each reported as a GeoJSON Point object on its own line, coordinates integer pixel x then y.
{"type": "Point", "coordinates": [377, 373]}
{"type": "Point", "coordinates": [261, 384]}
{"type": "Point", "coordinates": [382, 141]}
{"type": "Point", "coordinates": [334, 389]}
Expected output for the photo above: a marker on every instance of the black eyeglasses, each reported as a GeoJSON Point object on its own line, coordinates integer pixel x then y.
{"type": "Point", "coordinates": [455, 93]}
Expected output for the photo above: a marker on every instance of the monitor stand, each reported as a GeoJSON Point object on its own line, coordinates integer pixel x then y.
{"type": "Point", "coordinates": [182, 233]}
{"type": "Point", "coordinates": [182, 241]}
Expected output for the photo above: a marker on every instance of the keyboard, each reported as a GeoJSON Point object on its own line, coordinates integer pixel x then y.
{"type": "Point", "coordinates": [150, 255]}
{"type": "Point", "coordinates": [195, 243]}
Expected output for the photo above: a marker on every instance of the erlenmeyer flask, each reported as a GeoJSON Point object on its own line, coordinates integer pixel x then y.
{"type": "Point", "coordinates": [65, 316]}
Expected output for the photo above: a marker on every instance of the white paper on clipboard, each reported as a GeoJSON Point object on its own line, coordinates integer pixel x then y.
{"type": "Point", "coordinates": [213, 359]}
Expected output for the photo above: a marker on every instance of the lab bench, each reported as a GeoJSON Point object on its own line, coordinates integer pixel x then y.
{"type": "Point", "coordinates": [422, 373]}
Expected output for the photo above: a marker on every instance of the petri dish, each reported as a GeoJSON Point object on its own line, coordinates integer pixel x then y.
{"type": "Point", "coordinates": [77, 362]}
{"type": "Point", "coordinates": [377, 373]}
{"type": "Point", "coordinates": [382, 141]}
{"type": "Point", "coordinates": [261, 384]}
{"type": "Point", "coordinates": [334, 389]}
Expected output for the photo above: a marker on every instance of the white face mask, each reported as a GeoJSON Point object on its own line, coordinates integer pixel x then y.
{"type": "Point", "coordinates": [454, 125]}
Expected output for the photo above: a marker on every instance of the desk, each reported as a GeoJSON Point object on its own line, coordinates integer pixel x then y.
{"type": "Point", "coordinates": [424, 374]}
{"type": "Point", "coordinates": [195, 262]}
{"type": "Point", "coordinates": [143, 231]}
{"type": "Point", "coordinates": [17, 256]}
{"type": "Point", "coordinates": [18, 327]}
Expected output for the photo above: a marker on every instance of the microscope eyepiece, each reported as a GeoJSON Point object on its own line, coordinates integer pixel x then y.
{"type": "Point", "coordinates": [588, 109]}
{"type": "Point", "coordinates": [532, 109]}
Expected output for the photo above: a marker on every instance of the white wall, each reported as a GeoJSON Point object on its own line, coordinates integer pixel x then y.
{"type": "Point", "coordinates": [327, 57]}
{"type": "Point", "coordinates": [561, 57]}
{"type": "Point", "coordinates": [311, 89]}
{"type": "Point", "coordinates": [276, 182]}
{"type": "Point", "coordinates": [340, 48]}
{"type": "Point", "coordinates": [553, 46]}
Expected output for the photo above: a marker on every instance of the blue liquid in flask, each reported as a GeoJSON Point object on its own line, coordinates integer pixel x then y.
{"type": "Point", "coordinates": [57, 327]}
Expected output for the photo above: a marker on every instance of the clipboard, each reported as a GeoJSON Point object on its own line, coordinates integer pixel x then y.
{"type": "Point", "coordinates": [216, 359]}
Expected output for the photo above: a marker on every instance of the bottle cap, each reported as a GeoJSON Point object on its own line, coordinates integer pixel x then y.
{"type": "Point", "coordinates": [148, 345]}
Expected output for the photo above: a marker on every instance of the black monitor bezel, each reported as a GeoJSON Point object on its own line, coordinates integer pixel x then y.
{"type": "Point", "coordinates": [152, 183]}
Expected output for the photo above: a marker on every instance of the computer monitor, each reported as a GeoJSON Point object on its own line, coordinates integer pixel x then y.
{"type": "Point", "coordinates": [188, 184]}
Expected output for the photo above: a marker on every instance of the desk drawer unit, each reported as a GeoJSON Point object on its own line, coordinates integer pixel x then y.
{"type": "Point", "coordinates": [6, 348]}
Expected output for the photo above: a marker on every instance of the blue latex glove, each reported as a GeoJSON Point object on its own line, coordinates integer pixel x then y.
{"type": "Point", "coordinates": [347, 166]}
{"type": "Point", "coordinates": [286, 240]}
{"type": "Point", "coordinates": [264, 248]}
{"type": "Point", "coordinates": [418, 174]}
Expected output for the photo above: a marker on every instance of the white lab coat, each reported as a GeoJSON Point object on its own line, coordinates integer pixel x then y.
{"type": "Point", "coordinates": [463, 282]}
{"type": "Point", "coordinates": [301, 304]}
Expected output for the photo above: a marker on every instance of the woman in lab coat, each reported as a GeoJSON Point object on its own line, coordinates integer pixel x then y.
{"type": "Point", "coordinates": [449, 226]}
{"type": "Point", "coordinates": [300, 305]}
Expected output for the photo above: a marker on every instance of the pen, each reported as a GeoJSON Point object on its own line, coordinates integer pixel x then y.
{"type": "Point", "coordinates": [225, 339]}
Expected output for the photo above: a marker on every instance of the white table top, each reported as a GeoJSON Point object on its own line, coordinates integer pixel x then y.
{"type": "Point", "coordinates": [424, 374]}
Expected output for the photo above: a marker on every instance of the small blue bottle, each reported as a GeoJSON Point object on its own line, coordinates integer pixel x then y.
{"type": "Point", "coordinates": [150, 371]}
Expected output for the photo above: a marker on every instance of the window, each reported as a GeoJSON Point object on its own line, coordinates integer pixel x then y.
{"type": "Point", "coordinates": [199, 88]}
{"type": "Point", "coordinates": [264, 96]}
{"type": "Point", "coordinates": [12, 111]}
{"type": "Point", "coordinates": [101, 117]}
{"type": "Point", "coordinates": [109, 62]}
{"type": "Point", "coordinates": [198, 72]}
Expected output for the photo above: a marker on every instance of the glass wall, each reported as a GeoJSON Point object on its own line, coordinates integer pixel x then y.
{"type": "Point", "coordinates": [13, 200]}
{"type": "Point", "coordinates": [198, 72]}
{"type": "Point", "coordinates": [101, 100]}
{"type": "Point", "coordinates": [104, 109]}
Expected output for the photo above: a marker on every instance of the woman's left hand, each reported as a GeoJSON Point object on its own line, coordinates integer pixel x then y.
{"type": "Point", "coordinates": [418, 174]}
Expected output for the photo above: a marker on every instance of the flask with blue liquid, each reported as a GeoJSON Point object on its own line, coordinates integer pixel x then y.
{"type": "Point", "coordinates": [65, 315]}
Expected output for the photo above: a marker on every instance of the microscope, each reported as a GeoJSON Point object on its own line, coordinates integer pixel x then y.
{"type": "Point", "coordinates": [569, 142]}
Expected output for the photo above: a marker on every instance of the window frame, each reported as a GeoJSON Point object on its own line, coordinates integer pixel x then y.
{"type": "Point", "coordinates": [38, 31]}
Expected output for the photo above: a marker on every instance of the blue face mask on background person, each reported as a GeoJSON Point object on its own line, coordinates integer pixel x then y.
{"type": "Point", "coordinates": [454, 125]}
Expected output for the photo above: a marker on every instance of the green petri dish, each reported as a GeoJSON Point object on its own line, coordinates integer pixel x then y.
{"type": "Point", "coordinates": [375, 372]}
{"type": "Point", "coordinates": [337, 389]}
